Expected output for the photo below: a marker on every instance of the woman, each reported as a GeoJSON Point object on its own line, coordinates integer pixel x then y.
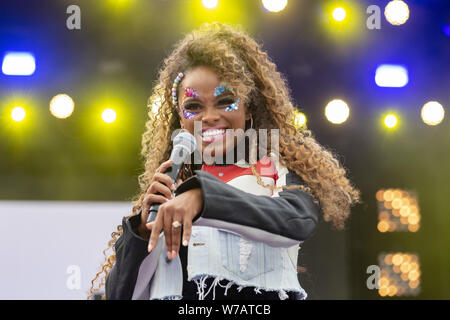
{"type": "Point", "coordinates": [227, 230]}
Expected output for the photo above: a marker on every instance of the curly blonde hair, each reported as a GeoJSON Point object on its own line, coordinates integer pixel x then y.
{"type": "Point", "coordinates": [240, 61]}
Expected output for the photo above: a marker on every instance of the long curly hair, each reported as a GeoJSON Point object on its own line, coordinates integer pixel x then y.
{"type": "Point", "coordinates": [240, 61]}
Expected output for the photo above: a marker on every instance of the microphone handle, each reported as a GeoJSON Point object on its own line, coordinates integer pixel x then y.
{"type": "Point", "coordinates": [173, 172]}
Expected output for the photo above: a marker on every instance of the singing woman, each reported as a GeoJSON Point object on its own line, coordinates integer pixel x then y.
{"type": "Point", "coordinates": [224, 230]}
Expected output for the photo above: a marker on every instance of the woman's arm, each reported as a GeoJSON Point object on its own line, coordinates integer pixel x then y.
{"type": "Point", "coordinates": [131, 250]}
{"type": "Point", "coordinates": [280, 221]}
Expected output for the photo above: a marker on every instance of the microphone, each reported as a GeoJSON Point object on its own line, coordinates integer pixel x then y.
{"type": "Point", "coordinates": [183, 145]}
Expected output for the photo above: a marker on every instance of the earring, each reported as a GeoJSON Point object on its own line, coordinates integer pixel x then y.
{"type": "Point", "coordinates": [251, 122]}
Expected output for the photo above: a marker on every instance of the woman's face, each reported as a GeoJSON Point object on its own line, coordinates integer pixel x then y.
{"type": "Point", "coordinates": [216, 107]}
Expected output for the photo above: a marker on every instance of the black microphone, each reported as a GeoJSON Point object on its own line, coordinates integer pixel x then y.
{"type": "Point", "coordinates": [183, 145]}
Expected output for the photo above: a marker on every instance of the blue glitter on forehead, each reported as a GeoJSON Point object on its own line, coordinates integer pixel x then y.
{"type": "Point", "coordinates": [234, 106]}
{"type": "Point", "coordinates": [221, 89]}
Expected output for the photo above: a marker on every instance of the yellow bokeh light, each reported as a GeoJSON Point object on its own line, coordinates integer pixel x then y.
{"type": "Point", "coordinates": [413, 219]}
{"type": "Point", "coordinates": [61, 106]}
{"type": "Point", "coordinates": [397, 259]}
{"type": "Point", "coordinates": [413, 275]}
{"type": "Point", "coordinates": [396, 203]}
{"type": "Point", "coordinates": [274, 5]}
{"type": "Point", "coordinates": [109, 115]}
{"type": "Point", "coordinates": [405, 211]}
{"type": "Point", "coordinates": [210, 4]}
{"type": "Point", "coordinates": [390, 121]}
{"type": "Point", "coordinates": [432, 113]}
{"type": "Point", "coordinates": [383, 226]}
{"type": "Point", "coordinates": [299, 119]}
{"type": "Point", "coordinates": [388, 259]}
{"type": "Point", "coordinates": [383, 292]}
{"type": "Point", "coordinates": [413, 284]}
{"type": "Point", "coordinates": [339, 14]}
{"type": "Point", "coordinates": [388, 195]}
{"type": "Point", "coordinates": [392, 290]}
{"type": "Point", "coordinates": [396, 12]}
{"type": "Point", "coordinates": [384, 282]}
{"type": "Point", "coordinates": [384, 215]}
{"type": "Point", "coordinates": [379, 195]}
{"type": "Point", "coordinates": [18, 114]}
{"type": "Point", "coordinates": [405, 267]}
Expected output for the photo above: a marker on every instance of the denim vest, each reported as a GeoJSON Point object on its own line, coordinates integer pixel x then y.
{"type": "Point", "coordinates": [222, 255]}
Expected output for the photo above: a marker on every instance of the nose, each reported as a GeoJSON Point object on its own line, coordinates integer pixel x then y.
{"type": "Point", "coordinates": [211, 115]}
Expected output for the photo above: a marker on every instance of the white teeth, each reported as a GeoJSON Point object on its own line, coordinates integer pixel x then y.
{"type": "Point", "coordinates": [213, 132]}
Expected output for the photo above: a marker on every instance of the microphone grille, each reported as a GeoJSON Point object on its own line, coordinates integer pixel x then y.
{"type": "Point", "coordinates": [185, 140]}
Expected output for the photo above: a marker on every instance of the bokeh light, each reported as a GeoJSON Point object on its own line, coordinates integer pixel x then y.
{"type": "Point", "coordinates": [399, 274]}
{"type": "Point", "coordinates": [432, 113]}
{"type": "Point", "coordinates": [299, 119]}
{"type": "Point", "coordinates": [394, 76]}
{"type": "Point", "coordinates": [61, 106]}
{"type": "Point", "coordinates": [396, 12]}
{"type": "Point", "coordinates": [397, 210]}
{"type": "Point", "coordinates": [18, 114]}
{"type": "Point", "coordinates": [210, 4]}
{"type": "Point", "coordinates": [390, 121]}
{"type": "Point", "coordinates": [18, 64]}
{"type": "Point", "coordinates": [337, 111]}
{"type": "Point", "coordinates": [339, 14]}
{"type": "Point", "coordinates": [274, 5]}
{"type": "Point", "coordinates": [109, 115]}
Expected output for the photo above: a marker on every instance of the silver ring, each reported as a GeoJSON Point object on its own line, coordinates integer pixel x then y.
{"type": "Point", "coordinates": [176, 224]}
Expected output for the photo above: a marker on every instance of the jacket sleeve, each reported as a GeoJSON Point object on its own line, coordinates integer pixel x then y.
{"type": "Point", "coordinates": [131, 250]}
{"type": "Point", "coordinates": [280, 221]}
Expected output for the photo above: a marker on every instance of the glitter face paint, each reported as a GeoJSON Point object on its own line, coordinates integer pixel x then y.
{"type": "Point", "coordinates": [191, 93]}
{"type": "Point", "coordinates": [234, 106]}
{"type": "Point", "coordinates": [223, 88]}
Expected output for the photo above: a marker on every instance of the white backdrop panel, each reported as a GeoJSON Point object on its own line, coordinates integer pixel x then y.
{"type": "Point", "coordinates": [45, 246]}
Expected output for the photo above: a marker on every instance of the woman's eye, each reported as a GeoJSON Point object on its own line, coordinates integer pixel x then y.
{"type": "Point", "coordinates": [226, 102]}
{"type": "Point", "coordinates": [192, 107]}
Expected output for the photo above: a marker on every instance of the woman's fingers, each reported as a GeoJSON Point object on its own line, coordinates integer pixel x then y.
{"type": "Point", "coordinates": [176, 235]}
{"type": "Point", "coordinates": [187, 226]}
{"type": "Point", "coordinates": [165, 179]}
{"type": "Point", "coordinates": [157, 186]}
{"type": "Point", "coordinates": [167, 229]}
{"type": "Point", "coordinates": [163, 167]}
{"type": "Point", "coordinates": [150, 225]}
{"type": "Point", "coordinates": [156, 230]}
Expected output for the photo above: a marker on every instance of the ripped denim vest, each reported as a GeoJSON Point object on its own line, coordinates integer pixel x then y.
{"type": "Point", "coordinates": [222, 255]}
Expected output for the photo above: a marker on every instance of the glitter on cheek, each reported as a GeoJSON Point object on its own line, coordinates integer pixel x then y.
{"type": "Point", "coordinates": [234, 106]}
{"type": "Point", "coordinates": [188, 115]}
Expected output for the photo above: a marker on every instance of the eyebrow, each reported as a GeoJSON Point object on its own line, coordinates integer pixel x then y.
{"type": "Point", "coordinates": [221, 95]}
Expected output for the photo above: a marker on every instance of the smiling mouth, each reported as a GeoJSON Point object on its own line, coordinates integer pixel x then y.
{"type": "Point", "coordinates": [212, 134]}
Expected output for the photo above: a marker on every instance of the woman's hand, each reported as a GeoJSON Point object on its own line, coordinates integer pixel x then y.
{"type": "Point", "coordinates": [160, 183]}
{"type": "Point", "coordinates": [183, 208]}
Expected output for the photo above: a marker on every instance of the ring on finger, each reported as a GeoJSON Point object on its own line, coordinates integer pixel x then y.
{"type": "Point", "coordinates": [176, 224]}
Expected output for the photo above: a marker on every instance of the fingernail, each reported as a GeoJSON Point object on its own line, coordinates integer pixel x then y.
{"type": "Point", "coordinates": [172, 187]}
{"type": "Point", "coordinates": [150, 247]}
{"type": "Point", "coordinates": [185, 243]}
{"type": "Point", "coordinates": [174, 254]}
{"type": "Point", "coordinates": [169, 254]}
